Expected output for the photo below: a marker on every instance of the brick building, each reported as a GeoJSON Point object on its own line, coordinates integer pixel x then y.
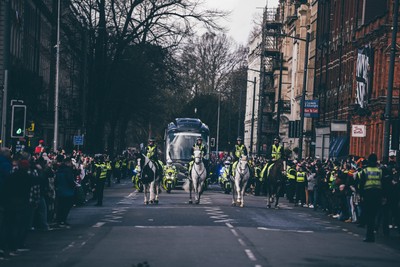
{"type": "Point", "coordinates": [351, 73]}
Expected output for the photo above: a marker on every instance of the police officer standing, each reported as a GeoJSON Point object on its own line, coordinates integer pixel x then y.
{"type": "Point", "coordinates": [101, 177]}
{"type": "Point", "coordinates": [371, 193]}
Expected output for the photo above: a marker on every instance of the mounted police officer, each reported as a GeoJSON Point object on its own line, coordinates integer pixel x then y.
{"type": "Point", "coordinates": [152, 154]}
{"type": "Point", "coordinates": [198, 146]}
{"type": "Point", "coordinates": [276, 150]}
{"type": "Point", "coordinates": [238, 151]}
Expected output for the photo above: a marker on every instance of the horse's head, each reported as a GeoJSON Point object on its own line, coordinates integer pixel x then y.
{"type": "Point", "coordinates": [242, 164]}
{"type": "Point", "coordinates": [198, 156]}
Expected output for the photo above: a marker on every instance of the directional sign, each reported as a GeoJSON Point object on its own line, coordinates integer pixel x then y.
{"type": "Point", "coordinates": [78, 140]}
{"type": "Point", "coordinates": [311, 108]}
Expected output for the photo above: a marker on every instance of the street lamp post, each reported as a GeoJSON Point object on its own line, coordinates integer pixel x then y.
{"type": "Point", "coordinates": [388, 107]}
{"type": "Point", "coordinates": [252, 115]}
{"type": "Point", "coordinates": [218, 115]}
{"type": "Point", "coordinates": [279, 109]}
{"type": "Point", "coordinates": [56, 102]}
{"type": "Point", "coordinates": [303, 98]}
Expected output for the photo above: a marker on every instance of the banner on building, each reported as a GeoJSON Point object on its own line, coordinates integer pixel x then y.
{"type": "Point", "coordinates": [364, 74]}
{"type": "Point", "coordinates": [358, 131]}
{"type": "Point", "coordinates": [311, 108]}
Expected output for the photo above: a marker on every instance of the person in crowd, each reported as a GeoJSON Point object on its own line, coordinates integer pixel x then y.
{"type": "Point", "coordinates": [65, 190]}
{"type": "Point", "coordinates": [17, 204]}
{"type": "Point", "coordinates": [5, 171]}
{"type": "Point", "coordinates": [101, 175]}
{"type": "Point", "coordinates": [371, 193]}
{"type": "Point", "coordinates": [301, 186]}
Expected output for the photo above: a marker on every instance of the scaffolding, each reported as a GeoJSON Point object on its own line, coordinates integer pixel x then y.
{"type": "Point", "coordinates": [272, 27]}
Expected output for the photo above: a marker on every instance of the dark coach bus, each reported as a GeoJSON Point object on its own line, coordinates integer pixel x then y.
{"type": "Point", "coordinates": [180, 135]}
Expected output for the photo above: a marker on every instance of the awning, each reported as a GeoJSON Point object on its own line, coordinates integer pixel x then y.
{"type": "Point", "coordinates": [336, 147]}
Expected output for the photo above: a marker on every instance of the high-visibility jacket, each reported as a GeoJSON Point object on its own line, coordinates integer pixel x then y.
{"type": "Point", "coordinates": [102, 167]}
{"type": "Point", "coordinates": [301, 177]}
{"type": "Point", "coordinates": [373, 178]}
{"type": "Point", "coordinates": [276, 152]}
{"type": "Point", "coordinates": [240, 150]}
{"type": "Point", "coordinates": [291, 174]}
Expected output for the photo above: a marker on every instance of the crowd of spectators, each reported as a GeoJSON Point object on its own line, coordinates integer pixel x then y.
{"type": "Point", "coordinates": [37, 192]}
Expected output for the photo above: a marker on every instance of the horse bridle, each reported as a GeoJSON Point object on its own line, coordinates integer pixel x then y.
{"type": "Point", "coordinates": [241, 171]}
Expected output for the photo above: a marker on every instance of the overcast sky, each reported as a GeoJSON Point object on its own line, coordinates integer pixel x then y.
{"type": "Point", "coordinates": [240, 22]}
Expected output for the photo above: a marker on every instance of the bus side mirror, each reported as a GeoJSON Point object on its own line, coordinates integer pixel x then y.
{"type": "Point", "coordinates": [212, 142]}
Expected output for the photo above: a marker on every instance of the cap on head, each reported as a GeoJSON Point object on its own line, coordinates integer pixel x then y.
{"type": "Point", "coordinates": [239, 139]}
{"type": "Point", "coordinates": [199, 138]}
{"type": "Point", "coordinates": [151, 139]}
{"type": "Point", "coordinates": [41, 141]}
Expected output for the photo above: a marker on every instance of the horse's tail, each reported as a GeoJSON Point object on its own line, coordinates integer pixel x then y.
{"type": "Point", "coordinates": [186, 185]}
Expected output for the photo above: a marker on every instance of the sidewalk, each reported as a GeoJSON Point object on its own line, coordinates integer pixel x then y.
{"type": "Point", "coordinates": [393, 241]}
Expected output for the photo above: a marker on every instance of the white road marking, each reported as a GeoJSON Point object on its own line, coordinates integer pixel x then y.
{"type": "Point", "coordinates": [99, 224]}
{"type": "Point", "coordinates": [69, 246]}
{"type": "Point", "coordinates": [229, 225]}
{"type": "Point", "coordinates": [156, 227]}
{"type": "Point", "coordinates": [225, 221]}
{"type": "Point", "coordinates": [241, 242]}
{"type": "Point", "coordinates": [234, 232]}
{"type": "Point", "coordinates": [283, 230]}
{"type": "Point", "coordinates": [250, 255]}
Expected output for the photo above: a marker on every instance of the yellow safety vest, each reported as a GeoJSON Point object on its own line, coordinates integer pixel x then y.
{"type": "Point", "coordinates": [300, 177]}
{"type": "Point", "coordinates": [239, 150]}
{"type": "Point", "coordinates": [276, 152]}
{"type": "Point", "coordinates": [289, 175]}
{"type": "Point", "coordinates": [151, 150]}
{"type": "Point", "coordinates": [374, 175]}
{"type": "Point", "coordinates": [103, 170]}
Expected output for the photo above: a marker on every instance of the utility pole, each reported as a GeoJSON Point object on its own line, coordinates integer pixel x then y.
{"type": "Point", "coordinates": [56, 104]}
{"type": "Point", "coordinates": [252, 115]}
{"type": "Point", "coordinates": [303, 98]}
{"type": "Point", "coordinates": [279, 110]}
{"type": "Point", "coordinates": [7, 33]}
{"type": "Point", "coordinates": [388, 107]}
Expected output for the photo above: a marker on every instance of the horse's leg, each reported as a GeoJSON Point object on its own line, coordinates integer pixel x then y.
{"type": "Point", "coordinates": [238, 191]}
{"type": "Point", "coordinates": [157, 190]}
{"type": "Point", "coordinates": [190, 191]}
{"type": "Point", "coordinates": [278, 188]}
{"type": "Point", "coordinates": [145, 192]}
{"type": "Point", "coordinates": [196, 190]}
{"type": "Point", "coordinates": [233, 188]}
{"type": "Point", "coordinates": [151, 192]}
{"type": "Point", "coordinates": [269, 192]}
{"type": "Point", "coordinates": [242, 192]}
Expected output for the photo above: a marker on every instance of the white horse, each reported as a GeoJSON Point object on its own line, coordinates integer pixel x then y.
{"type": "Point", "coordinates": [197, 177]}
{"type": "Point", "coordinates": [150, 177]}
{"type": "Point", "coordinates": [239, 183]}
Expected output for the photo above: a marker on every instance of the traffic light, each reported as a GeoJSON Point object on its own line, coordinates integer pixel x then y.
{"type": "Point", "coordinates": [18, 121]}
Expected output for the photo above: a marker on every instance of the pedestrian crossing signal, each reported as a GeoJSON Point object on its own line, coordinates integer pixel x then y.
{"type": "Point", "coordinates": [18, 121]}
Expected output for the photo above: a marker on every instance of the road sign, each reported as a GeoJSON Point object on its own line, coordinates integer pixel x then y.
{"type": "Point", "coordinates": [78, 140]}
{"type": "Point", "coordinates": [311, 108]}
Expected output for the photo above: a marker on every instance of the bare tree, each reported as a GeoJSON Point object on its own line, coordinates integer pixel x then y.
{"type": "Point", "coordinates": [115, 25]}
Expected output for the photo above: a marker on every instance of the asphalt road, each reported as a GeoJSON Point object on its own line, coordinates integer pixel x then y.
{"type": "Point", "coordinates": [125, 232]}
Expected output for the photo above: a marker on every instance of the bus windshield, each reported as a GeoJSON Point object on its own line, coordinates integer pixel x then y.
{"type": "Point", "coordinates": [179, 145]}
